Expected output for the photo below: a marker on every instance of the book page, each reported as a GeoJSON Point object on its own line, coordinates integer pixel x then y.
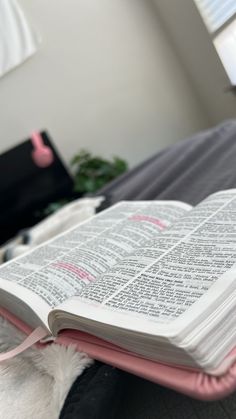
{"type": "Point", "coordinates": [63, 266]}
{"type": "Point", "coordinates": [168, 276]}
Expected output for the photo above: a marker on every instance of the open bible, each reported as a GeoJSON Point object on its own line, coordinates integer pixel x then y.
{"type": "Point", "coordinates": [147, 286]}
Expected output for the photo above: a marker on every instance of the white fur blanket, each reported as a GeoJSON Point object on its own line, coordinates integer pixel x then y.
{"type": "Point", "coordinates": [35, 384]}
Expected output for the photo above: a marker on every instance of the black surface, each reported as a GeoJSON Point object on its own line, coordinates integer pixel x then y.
{"type": "Point", "coordinates": [95, 394]}
{"type": "Point", "coordinates": [26, 188]}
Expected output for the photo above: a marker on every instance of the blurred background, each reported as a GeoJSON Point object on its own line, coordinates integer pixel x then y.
{"type": "Point", "coordinates": [118, 77]}
{"type": "Point", "coordinates": [121, 78]}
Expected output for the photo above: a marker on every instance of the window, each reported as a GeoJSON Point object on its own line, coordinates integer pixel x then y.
{"type": "Point", "coordinates": [220, 19]}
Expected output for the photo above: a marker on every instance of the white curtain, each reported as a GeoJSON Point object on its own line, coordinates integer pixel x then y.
{"type": "Point", "coordinates": [17, 39]}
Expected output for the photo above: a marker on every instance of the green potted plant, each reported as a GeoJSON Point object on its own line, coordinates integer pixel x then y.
{"type": "Point", "coordinates": [92, 172]}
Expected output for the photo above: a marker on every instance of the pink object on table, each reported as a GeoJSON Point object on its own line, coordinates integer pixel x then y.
{"type": "Point", "coordinates": [193, 383]}
{"type": "Point", "coordinates": [42, 154]}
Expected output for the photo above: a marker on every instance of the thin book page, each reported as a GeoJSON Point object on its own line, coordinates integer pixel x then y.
{"type": "Point", "coordinates": [179, 275]}
{"type": "Point", "coordinates": [63, 266]}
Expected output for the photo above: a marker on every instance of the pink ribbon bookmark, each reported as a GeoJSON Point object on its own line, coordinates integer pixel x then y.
{"type": "Point", "coordinates": [33, 338]}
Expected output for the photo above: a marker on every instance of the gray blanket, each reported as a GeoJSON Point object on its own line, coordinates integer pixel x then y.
{"type": "Point", "coordinates": [187, 171]}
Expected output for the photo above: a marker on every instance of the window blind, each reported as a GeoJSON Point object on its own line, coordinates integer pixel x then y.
{"type": "Point", "coordinates": [216, 12]}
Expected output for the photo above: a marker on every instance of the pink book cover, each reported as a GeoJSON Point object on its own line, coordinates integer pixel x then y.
{"type": "Point", "coordinates": [193, 383]}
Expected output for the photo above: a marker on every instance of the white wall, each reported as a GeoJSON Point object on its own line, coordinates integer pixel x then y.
{"type": "Point", "coordinates": [193, 44]}
{"type": "Point", "coordinates": [106, 78]}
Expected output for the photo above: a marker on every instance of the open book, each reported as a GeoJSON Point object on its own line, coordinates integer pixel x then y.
{"type": "Point", "coordinates": [155, 280]}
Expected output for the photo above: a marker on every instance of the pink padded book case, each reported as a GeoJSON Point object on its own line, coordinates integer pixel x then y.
{"type": "Point", "coordinates": [193, 383]}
